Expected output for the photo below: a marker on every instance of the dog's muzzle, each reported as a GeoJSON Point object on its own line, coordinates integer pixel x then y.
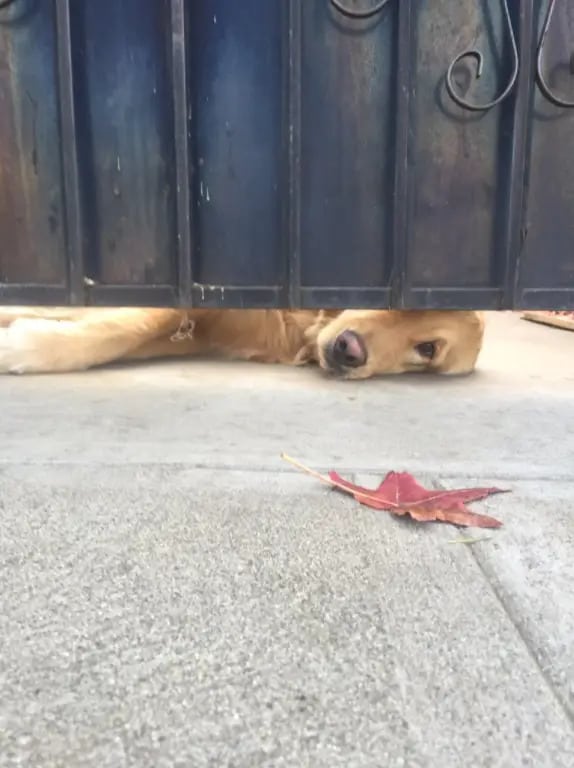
{"type": "Point", "coordinates": [347, 351]}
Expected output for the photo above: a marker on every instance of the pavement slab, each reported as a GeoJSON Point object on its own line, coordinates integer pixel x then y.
{"type": "Point", "coordinates": [161, 617]}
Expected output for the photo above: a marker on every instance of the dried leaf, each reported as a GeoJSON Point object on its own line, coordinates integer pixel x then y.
{"type": "Point", "coordinates": [400, 494]}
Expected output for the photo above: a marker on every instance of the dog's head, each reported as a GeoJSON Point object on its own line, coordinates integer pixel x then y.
{"type": "Point", "coordinates": [357, 344]}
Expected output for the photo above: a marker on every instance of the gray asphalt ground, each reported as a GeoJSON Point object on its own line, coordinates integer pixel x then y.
{"type": "Point", "coordinates": [173, 594]}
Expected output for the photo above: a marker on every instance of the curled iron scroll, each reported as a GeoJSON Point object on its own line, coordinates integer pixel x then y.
{"type": "Point", "coordinates": [542, 83]}
{"type": "Point", "coordinates": [358, 14]}
{"type": "Point", "coordinates": [476, 54]}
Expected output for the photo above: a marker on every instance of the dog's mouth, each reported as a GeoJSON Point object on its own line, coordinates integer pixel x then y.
{"type": "Point", "coordinates": [347, 351]}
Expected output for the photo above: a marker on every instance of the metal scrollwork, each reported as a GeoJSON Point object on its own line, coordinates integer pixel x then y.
{"type": "Point", "coordinates": [542, 83]}
{"type": "Point", "coordinates": [358, 14]}
{"type": "Point", "coordinates": [477, 55]}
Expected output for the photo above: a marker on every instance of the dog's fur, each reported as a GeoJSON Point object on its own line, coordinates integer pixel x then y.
{"type": "Point", "coordinates": [45, 340]}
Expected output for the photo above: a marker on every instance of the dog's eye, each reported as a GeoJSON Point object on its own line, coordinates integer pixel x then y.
{"type": "Point", "coordinates": [427, 349]}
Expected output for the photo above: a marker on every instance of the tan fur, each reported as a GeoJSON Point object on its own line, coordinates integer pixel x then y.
{"type": "Point", "coordinates": [45, 340]}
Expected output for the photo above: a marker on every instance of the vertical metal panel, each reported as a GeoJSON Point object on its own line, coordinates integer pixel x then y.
{"type": "Point", "coordinates": [460, 195]}
{"type": "Point", "coordinates": [347, 163]}
{"type": "Point", "coordinates": [547, 258]}
{"type": "Point", "coordinates": [122, 52]}
{"type": "Point", "coordinates": [32, 218]}
{"type": "Point", "coordinates": [236, 79]}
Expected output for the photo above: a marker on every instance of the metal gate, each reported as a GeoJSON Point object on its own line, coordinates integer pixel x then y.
{"type": "Point", "coordinates": [271, 153]}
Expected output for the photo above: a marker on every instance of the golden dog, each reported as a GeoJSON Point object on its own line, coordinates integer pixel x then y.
{"type": "Point", "coordinates": [354, 344]}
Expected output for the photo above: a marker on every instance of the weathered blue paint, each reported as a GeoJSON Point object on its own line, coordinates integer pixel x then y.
{"type": "Point", "coordinates": [125, 127]}
{"type": "Point", "coordinates": [235, 76]}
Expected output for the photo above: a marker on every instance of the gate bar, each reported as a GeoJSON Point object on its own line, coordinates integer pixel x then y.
{"type": "Point", "coordinates": [294, 151]}
{"type": "Point", "coordinates": [181, 127]}
{"type": "Point", "coordinates": [516, 232]}
{"type": "Point", "coordinates": [69, 156]}
{"type": "Point", "coordinates": [401, 191]}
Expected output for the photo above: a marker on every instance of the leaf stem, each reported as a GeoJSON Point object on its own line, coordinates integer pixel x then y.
{"type": "Point", "coordinates": [355, 492]}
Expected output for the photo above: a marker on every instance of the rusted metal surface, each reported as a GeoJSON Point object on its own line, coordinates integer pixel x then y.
{"type": "Point", "coordinates": [287, 152]}
{"type": "Point", "coordinates": [32, 225]}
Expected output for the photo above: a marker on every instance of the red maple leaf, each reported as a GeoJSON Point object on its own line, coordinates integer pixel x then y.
{"type": "Point", "coordinates": [400, 494]}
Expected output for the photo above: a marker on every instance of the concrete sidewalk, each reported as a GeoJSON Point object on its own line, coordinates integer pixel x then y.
{"type": "Point", "coordinates": [172, 594]}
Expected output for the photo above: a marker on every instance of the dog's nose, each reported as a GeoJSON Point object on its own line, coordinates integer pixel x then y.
{"type": "Point", "coordinates": [349, 350]}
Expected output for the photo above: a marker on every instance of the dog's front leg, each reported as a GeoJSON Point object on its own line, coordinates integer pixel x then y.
{"type": "Point", "coordinates": [40, 345]}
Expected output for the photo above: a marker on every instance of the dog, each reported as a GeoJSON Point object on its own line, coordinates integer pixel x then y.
{"type": "Point", "coordinates": [352, 344]}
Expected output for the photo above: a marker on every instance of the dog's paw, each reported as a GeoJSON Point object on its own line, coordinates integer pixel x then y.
{"type": "Point", "coordinates": [27, 345]}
